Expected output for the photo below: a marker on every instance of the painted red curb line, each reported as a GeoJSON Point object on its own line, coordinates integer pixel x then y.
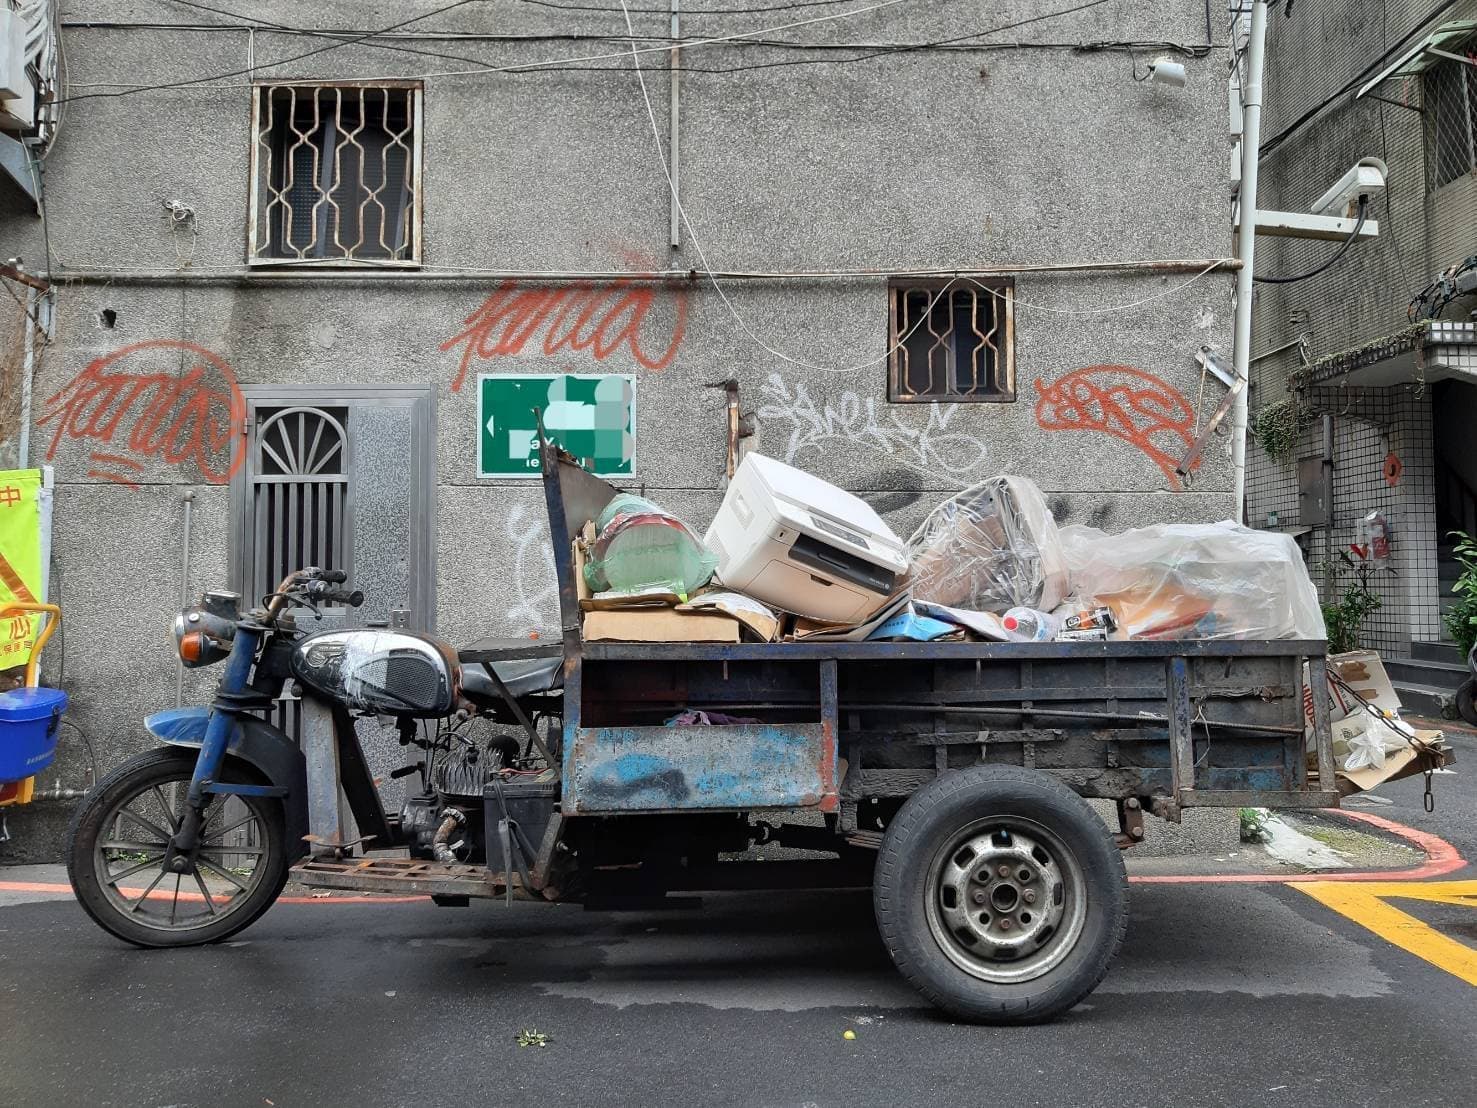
{"type": "Point", "coordinates": [50, 887]}
{"type": "Point", "coordinates": [1441, 858]}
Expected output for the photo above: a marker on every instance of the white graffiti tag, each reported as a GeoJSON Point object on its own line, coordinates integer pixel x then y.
{"type": "Point", "coordinates": [930, 447]}
{"type": "Point", "coordinates": [535, 588]}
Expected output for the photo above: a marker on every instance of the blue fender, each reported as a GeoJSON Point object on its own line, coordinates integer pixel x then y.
{"type": "Point", "coordinates": [259, 745]}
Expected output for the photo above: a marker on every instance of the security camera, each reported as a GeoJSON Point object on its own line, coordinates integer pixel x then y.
{"type": "Point", "coordinates": [1364, 182]}
{"type": "Point", "coordinates": [1166, 71]}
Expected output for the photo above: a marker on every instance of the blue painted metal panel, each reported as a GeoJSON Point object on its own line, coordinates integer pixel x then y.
{"type": "Point", "coordinates": [675, 769]}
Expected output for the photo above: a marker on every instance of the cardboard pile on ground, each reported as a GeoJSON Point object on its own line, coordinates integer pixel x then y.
{"type": "Point", "coordinates": [1371, 743]}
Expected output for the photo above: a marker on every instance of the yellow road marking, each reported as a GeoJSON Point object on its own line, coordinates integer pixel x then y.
{"type": "Point", "coordinates": [1366, 903]}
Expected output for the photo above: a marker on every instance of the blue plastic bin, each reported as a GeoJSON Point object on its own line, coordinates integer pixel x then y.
{"type": "Point", "coordinates": [29, 719]}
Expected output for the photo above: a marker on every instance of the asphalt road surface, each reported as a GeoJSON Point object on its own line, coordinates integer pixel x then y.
{"type": "Point", "coordinates": [1224, 993]}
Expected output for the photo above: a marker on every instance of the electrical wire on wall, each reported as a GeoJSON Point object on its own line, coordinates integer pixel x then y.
{"type": "Point", "coordinates": [1393, 237]}
{"type": "Point", "coordinates": [284, 61]}
{"type": "Point", "coordinates": [868, 51]}
{"type": "Point", "coordinates": [708, 272]}
{"type": "Point", "coordinates": [1432, 300]}
{"type": "Point", "coordinates": [1334, 257]}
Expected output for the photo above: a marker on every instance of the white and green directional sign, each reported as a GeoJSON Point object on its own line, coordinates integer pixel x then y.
{"type": "Point", "coordinates": [593, 416]}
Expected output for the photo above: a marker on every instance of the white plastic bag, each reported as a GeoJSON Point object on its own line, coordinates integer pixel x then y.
{"type": "Point", "coordinates": [991, 547]}
{"type": "Point", "coordinates": [1362, 740]}
{"type": "Point", "coordinates": [1196, 581]}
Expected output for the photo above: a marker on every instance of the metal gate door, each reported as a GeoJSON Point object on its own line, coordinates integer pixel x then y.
{"type": "Point", "coordinates": [299, 495]}
{"type": "Point", "coordinates": [342, 479]}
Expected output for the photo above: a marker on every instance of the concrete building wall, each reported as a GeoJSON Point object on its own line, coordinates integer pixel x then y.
{"type": "Point", "coordinates": [1311, 56]}
{"type": "Point", "coordinates": [1023, 159]}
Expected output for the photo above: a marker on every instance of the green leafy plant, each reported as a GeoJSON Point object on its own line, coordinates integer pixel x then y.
{"type": "Point", "coordinates": [1345, 615]}
{"type": "Point", "coordinates": [1277, 426]}
{"type": "Point", "coordinates": [1254, 825]}
{"type": "Point", "coordinates": [1461, 621]}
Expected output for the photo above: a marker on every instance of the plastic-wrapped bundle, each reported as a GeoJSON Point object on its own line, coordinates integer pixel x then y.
{"type": "Point", "coordinates": [1196, 581]}
{"type": "Point", "coordinates": [641, 548]}
{"type": "Point", "coordinates": [992, 547]}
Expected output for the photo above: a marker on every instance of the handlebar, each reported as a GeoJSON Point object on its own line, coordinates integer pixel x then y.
{"type": "Point", "coordinates": [317, 582]}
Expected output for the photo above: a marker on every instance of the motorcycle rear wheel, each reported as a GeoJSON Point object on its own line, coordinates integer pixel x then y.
{"type": "Point", "coordinates": [120, 833]}
{"type": "Point", "coordinates": [1465, 706]}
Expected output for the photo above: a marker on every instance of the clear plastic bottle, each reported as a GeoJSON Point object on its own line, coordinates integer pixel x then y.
{"type": "Point", "coordinates": [1029, 625]}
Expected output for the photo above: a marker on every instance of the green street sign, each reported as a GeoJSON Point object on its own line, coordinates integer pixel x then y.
{"type": "Point", "coordinates": [593, 416]}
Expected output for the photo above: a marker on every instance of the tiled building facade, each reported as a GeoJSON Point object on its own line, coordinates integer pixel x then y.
{"type": "Point", "coordinates": [1342, 346]}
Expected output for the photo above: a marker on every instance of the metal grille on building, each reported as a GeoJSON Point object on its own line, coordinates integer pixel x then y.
{"type": "Point", "coordinates": [336, 173]}
{"type": "Point", "coordinates": [1451, 119]}
{"type": "Point", "coordinates": [299, 488]}
{"type": "Point", "coordinates": [951, 342]}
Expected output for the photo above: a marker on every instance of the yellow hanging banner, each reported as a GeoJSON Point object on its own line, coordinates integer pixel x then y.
{"type": "Point", "coordinates": [20, 561]}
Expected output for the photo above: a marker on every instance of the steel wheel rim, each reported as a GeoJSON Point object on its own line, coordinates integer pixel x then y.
{"type": "Point", "coordinates": [1005, 899]}
{"type": "Point", "coordinates": [129, 853]}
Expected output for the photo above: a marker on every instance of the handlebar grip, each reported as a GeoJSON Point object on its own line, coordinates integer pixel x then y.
{"type": "Point", "coordinates": [352, 599]}
{"type": "Point", "coordinates": [334, 576]}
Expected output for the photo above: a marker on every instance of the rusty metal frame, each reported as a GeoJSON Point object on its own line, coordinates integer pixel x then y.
{"type": "Point", "coordinates": [999, 338]}
{"type": "Point", "coordinates": [402, 876]}
{"type": "Point", "coordinates": [416, 208]}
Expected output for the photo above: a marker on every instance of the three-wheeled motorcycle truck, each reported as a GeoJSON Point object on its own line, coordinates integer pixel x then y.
{"type": "Point", "coordinates": [950, 777]}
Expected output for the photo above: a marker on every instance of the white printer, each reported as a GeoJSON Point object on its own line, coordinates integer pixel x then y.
{"type": "Point", "coordinates": [801, 544]}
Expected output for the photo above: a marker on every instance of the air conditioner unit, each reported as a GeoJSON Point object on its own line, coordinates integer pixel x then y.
{"type": "Point", "coordinates": [17, 93]}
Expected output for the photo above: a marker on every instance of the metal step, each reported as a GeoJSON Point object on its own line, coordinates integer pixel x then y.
{"type": "Point", "coordinates": [1419, 671]}
{"type": "Point", "coordinates": [1426, 700]}
{"type": "Point", "coordinates": [1436, 652]}
{"type": "Point", "coordinates": [405, 876]}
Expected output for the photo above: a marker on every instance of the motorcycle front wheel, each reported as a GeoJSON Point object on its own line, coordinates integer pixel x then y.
{"type": "Point", "coordinates": [120, 834]}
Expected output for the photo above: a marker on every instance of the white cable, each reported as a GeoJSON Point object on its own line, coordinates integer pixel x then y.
{"type": "Point", "coordinates": [1101, 310]}
{"type": "Point", "coordinates": [661, 157]}
{"type": "Point", "coordinates": [743, 324]}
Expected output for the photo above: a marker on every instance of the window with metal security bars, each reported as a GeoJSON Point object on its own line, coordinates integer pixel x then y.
{"type": "Point", "coordinates": [336, 172]}
{"type": "Point", "coordinates": [1451, 121]}
{"type": "Point", "coordinates": [952, 341]}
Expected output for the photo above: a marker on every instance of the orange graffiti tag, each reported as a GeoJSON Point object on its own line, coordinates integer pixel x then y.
{"type": "Point", "coordinates": [1125, 402]}
{"type": "Point", "coordinates": [121, 402]}
{"type": "Point", "coordinates": [600, 318]}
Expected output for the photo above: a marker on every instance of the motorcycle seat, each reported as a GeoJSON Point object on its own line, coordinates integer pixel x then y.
{"type": "Point", "coordinates": [525, 666]}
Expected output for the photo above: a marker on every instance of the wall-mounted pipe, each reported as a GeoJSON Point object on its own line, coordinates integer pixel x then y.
{"type": "Point", "coordinates": [382, 275]}
{"type": "Point", "coordinates": [1251, 137]}
{"type": "Point", "coordinates": [188, 499]}
{"type": "Point", "coordinates": [1328, 461]}
{"type": "Point", "coordinates": [674, 138]}
{"type": "Point", "coordinates": [28, 371]}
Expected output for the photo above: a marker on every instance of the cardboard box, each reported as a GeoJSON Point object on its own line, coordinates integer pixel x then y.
{"type": "Point", "coordinates": [759, 618]}
{"type": "Point", "coordinates": [658, 624]}
{"type": "Point", "coordinates": [1363, 671]}
{"type": "Point", "coordinates": [1425, 754]}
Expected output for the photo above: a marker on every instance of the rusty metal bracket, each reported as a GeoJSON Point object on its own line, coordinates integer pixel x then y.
{"type": "Point", "coordinates": [1191, 460]}
{"type": "Point", "coordinates": [403, 876]}
{"type": "Point", "coordinates": [1130, 823]}
{"type": "Point", "coordinates": [730, 388]}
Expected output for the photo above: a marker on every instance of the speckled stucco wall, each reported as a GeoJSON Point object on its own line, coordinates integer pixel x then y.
{"type": "Point", "coordinates": [1022, 157]}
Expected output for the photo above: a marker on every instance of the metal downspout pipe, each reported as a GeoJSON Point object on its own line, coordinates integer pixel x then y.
{"type": "Point", "coordinates": [1251, 139]}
